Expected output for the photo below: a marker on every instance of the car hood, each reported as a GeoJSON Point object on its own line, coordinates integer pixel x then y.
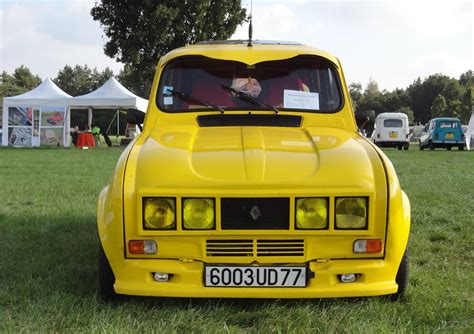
{"type": "Point", "coordinates": [252, 157]}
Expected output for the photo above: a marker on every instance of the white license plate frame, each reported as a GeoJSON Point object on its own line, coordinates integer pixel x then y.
{"type": "Point", "coordinates": [225, 276]}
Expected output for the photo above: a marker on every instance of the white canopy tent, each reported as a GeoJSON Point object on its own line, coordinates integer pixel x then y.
{"type": "Point", "coordinates": [470, 131]}
{"type": "Point", "coordinates": [40, 116]}
{"type": "Point", "coordinates": [111, 95]}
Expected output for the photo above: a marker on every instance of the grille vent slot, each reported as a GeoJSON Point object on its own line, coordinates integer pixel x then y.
{"type": "Point", "coordinates": [262, 247]}
{"type": "Point", "coordinates": [280, 247]}
{"type": "Point", "coordinates": [229, 247]}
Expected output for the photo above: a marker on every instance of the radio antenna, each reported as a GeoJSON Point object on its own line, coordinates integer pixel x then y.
{"type": "Point", "coordinates": [250, 25]}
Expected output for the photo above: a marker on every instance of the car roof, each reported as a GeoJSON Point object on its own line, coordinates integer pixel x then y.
{"type": "Point", "coordinates": [237, 50]}
{"type": "Point", "coordinates": [245, 41]}
{"type": "Point", "coordinates": [392, 115]}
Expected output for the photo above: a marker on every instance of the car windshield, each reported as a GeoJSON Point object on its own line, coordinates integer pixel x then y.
{"type": "Point", "coordinates": [201, 84]}
{"type": "Point", "coordinates": [393, 123]}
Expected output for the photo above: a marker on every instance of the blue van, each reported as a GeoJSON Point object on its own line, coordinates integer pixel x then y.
{"type": "Point", "coordinates": [444, 132]}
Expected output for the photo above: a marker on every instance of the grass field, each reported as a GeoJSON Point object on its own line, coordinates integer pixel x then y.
{"type": "Point", "coordinates": [49, 244]}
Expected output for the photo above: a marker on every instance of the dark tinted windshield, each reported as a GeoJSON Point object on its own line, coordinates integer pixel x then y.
{"type": "Point", "coordinates": [393, 123]}
{"type": "Point", "coordinates": [200, 83]}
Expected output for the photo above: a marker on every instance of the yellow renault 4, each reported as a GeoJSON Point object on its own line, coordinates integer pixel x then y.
{"type": "Point", "coordinates": [251, 179]}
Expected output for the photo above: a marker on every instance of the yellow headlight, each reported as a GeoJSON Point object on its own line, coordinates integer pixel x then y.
{"type": "Point", "coordinates": [159, 213]}
{"type": "Point", "coordinates": [351, 213]}
{"type": "Point", "coordinates": [198, 213]}
{"type": "Point", "coordinates": [311, 213]}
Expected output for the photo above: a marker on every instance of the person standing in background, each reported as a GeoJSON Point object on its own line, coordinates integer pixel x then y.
{"type": "Point", "coordinates": [95, 130]}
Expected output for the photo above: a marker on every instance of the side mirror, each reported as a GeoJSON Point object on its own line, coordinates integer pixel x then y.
{"type": "Point", "coordinates": [135, 116]}
{"type": "Point", "coordinates": [365, 119]}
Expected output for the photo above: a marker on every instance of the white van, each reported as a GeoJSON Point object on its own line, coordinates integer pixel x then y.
{"type": "Point", "coordinates": [392, 130]}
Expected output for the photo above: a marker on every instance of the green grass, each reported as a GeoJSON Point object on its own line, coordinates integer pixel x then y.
{"type": "Point", "coordinates": [48, 258]}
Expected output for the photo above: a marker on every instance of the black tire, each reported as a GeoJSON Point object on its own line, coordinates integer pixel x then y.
{"type": "Point", "coordinates": [106, 277]}
{"type": "Point", "coordinates": [406, 147]}
{"type": "Point", "coordinates": [399, 147]}
{"type": "Point", "coordinates": [402, 278]}
{"type": "Point", "coordinates": [420, 147]}
{"type": "Point", "coordinates": [431, 145]}
{"type": "Point", "coordinates": [461, 148]}
{"type": "Point", "coordinates": [448, 148]}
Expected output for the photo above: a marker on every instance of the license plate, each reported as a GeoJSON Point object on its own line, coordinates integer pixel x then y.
{"type": "Point", "coordinates": [255, 277]}
{"type": "Point", "coordinates": [393, 134]}
{"type": "Point", "coordinates": [449, 136]}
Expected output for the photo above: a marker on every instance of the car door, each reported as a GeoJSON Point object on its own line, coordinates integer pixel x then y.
{"type": "Point", "coordinates": [425, 134]}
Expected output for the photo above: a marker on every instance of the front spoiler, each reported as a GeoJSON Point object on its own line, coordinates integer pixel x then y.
{"type": "Point", "coordinates": [377, 277]}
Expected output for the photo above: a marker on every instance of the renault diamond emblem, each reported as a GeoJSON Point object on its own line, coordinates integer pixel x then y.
{"type": "Point", "coordinates": [255, 212]}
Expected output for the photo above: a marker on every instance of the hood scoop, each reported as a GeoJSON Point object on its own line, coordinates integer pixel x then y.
{"type": "Point", "coordinates": [292, 121]}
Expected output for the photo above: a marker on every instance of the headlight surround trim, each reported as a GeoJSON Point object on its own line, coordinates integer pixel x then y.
{"type": "Point", "coordinates": [186, 226]}
{"type": "Point", "coordinates": [355, 198]}
{"type": "Point", "coordinates": [327, 212]}
{"type": "Point", "coordinates": [147, 202]}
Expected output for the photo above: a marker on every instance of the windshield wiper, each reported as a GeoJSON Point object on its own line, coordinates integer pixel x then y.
{"type": "Point", "coordinates": [187, 97]}
{"type": "Point", "coordinates": [250, 99]}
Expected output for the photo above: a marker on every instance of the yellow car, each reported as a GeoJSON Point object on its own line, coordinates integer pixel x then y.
{"type": "Point", "coordinates": [251, 179]}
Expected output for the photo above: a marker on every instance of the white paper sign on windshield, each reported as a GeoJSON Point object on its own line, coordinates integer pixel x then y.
{"type": "Point", "coordinates": [300, 100]}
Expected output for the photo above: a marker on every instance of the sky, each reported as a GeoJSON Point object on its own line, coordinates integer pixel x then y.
{"type": "Point", "coordinates": [393, 42]}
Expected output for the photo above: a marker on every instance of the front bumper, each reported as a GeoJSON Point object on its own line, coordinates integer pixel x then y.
{"type": "Point", "coordinates": [449, 142]}
{"type": "Point", "coordinates": [394, 143]}
{"type": "Point", "coordinates": [377, 277]}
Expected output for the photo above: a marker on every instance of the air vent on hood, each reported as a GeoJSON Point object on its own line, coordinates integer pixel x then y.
{"type": "Point", "coordinates": [292, 121]}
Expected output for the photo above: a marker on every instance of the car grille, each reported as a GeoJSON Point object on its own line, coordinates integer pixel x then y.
{"type": "Point", "coordinates": [255, 213]}
{"type": "Point", "coordinates": [255, 248]}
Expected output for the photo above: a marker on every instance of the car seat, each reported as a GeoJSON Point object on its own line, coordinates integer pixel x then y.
{"type": "Point", "coordinates": [275, 89]}
{"type": "Point", "coordinates": [210, 90]}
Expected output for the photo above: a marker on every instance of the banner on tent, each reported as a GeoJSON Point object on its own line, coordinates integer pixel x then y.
{"type": "Point", "coordinates": [30, 126]}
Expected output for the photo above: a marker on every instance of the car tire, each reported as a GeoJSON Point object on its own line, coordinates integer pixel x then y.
{"type": "Point", "coordinates": [461, 148]}
{"type": "Point", "coordinates": [402, 278]}
{"type": "Point", "coordinates": [106, 277]}
{"type": "Point", "coordinates": [399, 147]}
{"type": "Point", "coordinates": [431, 145]}
{"type": "Point", "coordinates": [448, 148]}
{"type": "Point", "coordinates": [406, 147]}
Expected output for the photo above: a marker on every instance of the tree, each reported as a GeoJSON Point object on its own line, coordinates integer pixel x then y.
{"type": "Point", "coordinates": [142, 31]}
{"type": "Point", "coordinates": [25, 79]}
{"type": "Point", "coordinates": [466, 80]}
{"type": "Point", "coordinates": [81, 79]}
{"type": "Point", "coordinates": [438, 108]}
{"type": "Point", "coordinates": [423, 94]}
{"type": "Point", "coordinates": [394, 100]}
{"type": "Point", "coordinates": [408, 112]}
{"type": "Point", "coordinates": [355, 91]}
{"type": "Point", "coordinates": [371, 98]}
{"type": "Point", "coordinates": [20, 82]}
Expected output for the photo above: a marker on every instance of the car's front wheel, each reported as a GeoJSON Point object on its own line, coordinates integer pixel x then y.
{"type": "Point", "coordinates": [106, 277]}
{"type": "Point", "coordinates": [431, 145]}
{"type": "Point", "coordinates": [402, 278]}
